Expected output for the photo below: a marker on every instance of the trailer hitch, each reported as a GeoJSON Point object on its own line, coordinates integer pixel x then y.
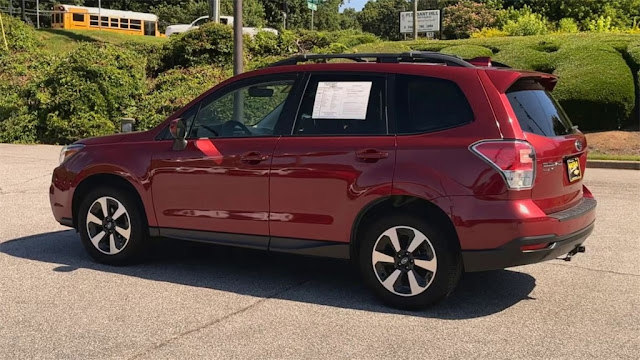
{"type": "Point", "coordinates": [578, 249]}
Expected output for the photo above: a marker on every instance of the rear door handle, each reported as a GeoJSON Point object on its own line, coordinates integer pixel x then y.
{"type": "Point", "coordinates": [371, 155]}
{"type": "Point", "coordinates": [253, 157]}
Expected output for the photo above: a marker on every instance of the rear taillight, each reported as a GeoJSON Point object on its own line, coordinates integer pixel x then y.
{"type": "Point", "coordinates": [514, 159]}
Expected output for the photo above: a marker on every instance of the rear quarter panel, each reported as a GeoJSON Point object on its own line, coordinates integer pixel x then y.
{"type": "Point", "coordinates": [439, 163]}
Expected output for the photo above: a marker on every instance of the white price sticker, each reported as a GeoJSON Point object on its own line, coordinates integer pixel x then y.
{"type": "Point", "coordinates": [342, 100]}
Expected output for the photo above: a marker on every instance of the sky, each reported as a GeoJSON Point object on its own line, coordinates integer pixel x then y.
{"type": "Point", "coordinates": [356, 4]}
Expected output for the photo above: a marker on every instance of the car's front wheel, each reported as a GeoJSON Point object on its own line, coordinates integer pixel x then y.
{"type": "Point", "coordinates": [408, 262]}
{"type": "Point", "coordinates": [111, 226]}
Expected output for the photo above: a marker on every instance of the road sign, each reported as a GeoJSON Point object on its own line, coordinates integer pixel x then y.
{"type": "Point", "coordinates": [312, 6]}
{"type": "Point", "coordinates": [428, 20]}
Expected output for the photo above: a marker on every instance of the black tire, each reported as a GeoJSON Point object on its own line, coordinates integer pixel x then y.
{"type": "Point", "coordinates": [133, 248]}
{"type": "Point", "coordinates": [448, 269]}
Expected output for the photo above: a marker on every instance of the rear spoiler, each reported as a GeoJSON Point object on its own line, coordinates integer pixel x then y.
{"type": "Point", "coordinates": [503, 80]}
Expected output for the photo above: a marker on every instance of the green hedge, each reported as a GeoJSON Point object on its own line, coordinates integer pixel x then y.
{"type": "Point", "coordinates": [208, 45]}
{"type": "Point", "coordinates": [467, 51]}
{"type": "Point", "coordinates": [84, 90]}
{"type": "Point", "coordinates": [172, 90]}
{"type": "Point", "coordinates": [84, 93]}
{"type": "Point", "coordinates": [596, 71]}
{"type": "Point", "coordinates": [596, 86]}
{"type": "Point", "coordinates": [20, 36]}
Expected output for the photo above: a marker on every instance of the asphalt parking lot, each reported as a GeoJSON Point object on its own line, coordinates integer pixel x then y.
{"type": "Point", "coordinates": [191, 301]}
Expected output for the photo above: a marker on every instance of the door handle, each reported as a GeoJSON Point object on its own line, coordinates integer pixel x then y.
{"type": "Point", "coordinates": [371, 155]}
{"type": "Point", "coordinates": [253, 157]}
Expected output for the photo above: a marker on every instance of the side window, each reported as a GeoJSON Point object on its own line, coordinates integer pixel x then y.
{"type": "Point", "coordinates": [200, 22]}
{"type": "Point", "coordinates": [249, 111]}
{"type": "Point", "coordinates": [343, 105]}
{"type": "Point", "coordinates": [78, 17]}
{"type": "Point", "coordinates": [429, 104]}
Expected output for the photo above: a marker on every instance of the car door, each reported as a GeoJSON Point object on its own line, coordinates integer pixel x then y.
{"type": "Point", "coordinates": [217, 188]}
{"type": "Point", "coordinates": [339, 158]}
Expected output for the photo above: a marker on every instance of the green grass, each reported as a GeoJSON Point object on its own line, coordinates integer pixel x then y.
{"type": "Point", "coordinates": [598, 71]}
{"type": "Point", "coordinates": [619, 157]}
{"type": "Point", "coordinates": [57, 41]}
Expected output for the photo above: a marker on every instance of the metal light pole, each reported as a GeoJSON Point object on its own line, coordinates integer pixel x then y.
{"type": "Point", "coordinates": [237, 37]}
{"type": "Point", "coordinates": [214, 11]}
{"type": "Point", "coordinates": [24, 14]}
{"type": "Point", "coordinates": [38, 13]}
{"type": "Point", "coordinates": [100, 14]}
{"type": "Point", "coordinates": [415, 19]}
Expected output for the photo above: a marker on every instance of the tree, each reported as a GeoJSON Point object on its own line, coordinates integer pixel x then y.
{"type": "Point", "coordinates": [298, 15]}
{"type": "Point", "coordinates": [381, 17]}
{"type": "Point", "coordinates": [466, 17]}
{"type": "Point", "coordinates": [349, 19]}
{"type": "Point", "coordinates": [328, 16]}
{"type": "Point", "coordinates": [252, 12]}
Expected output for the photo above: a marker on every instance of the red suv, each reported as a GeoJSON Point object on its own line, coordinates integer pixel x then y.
{"type": "Point", "coordinates": [417, 166]}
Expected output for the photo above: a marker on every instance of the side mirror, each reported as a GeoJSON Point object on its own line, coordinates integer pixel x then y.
{"type": "Point", "coordinates": [178, 130]}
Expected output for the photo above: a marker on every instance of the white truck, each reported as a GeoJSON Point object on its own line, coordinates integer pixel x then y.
{"type": "Point", "coordinates": [227, 20]}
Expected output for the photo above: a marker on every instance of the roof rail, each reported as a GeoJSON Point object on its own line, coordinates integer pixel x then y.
{"type": "Point", "coordinates": [407, 57]}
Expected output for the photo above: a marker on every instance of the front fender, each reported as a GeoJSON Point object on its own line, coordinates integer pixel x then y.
{"type": "Point", "coordinates": [109, 160]}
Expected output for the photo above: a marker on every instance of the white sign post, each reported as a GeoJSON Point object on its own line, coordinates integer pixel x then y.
{"type": "Point", "coordinates": [428, 21]}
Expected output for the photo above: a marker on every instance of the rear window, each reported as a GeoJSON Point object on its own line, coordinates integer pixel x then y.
{"type": "Point", "coordinates": [428, 104]}
{"type": "Point", "coordinates": [537, 111]}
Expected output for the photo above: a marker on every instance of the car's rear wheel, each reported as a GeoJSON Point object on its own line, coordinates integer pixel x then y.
{"type": "Point", "coordinates": [111, 226]}
{"type": "Point", "coordinates": [408, 262]}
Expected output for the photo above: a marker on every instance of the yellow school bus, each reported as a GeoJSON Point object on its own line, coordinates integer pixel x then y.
{"type": "Point", "coordinates": [73, 17]}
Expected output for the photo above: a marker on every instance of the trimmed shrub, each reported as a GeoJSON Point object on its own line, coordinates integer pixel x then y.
{"type": "Point", "coordinates": [384, 47]}
{"type": "Point", "coordinates": [351, 38]}
{"type": "Point", "coordinates": [596, 86]}
{"type": "Point", "coordinates": [525, 25]}
{"type": "Point", "coordinates": [266, 43]}
{"type": "Point", "coordinates": [488, 33]}
{"type": "Point", "coordinates": [568, 25]}
{"type": "Point", "coordinates": [601, 24]}
{"type": "Point", "coordinates": [467, 51]}
{"type": "Point", "coordinates": [20, 36]}
{"type": "Point", "coordinates": [87, 93]}
{"type": "Point", "coordinates": [20, 76]}
{"type": "Point", "coordinates": [152, 53]}
{"type": "Point", "coordinates": [632, 55]}
{"type": "Point", "coordinates": [209, 44]}
{"type": "Point", "coordinates": [308, 40]}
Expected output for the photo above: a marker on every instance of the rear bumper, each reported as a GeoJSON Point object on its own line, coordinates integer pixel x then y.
{"type": "Point", "coordinates": [511, 253]}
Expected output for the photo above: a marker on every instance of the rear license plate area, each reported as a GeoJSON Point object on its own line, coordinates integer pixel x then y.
{"type": "Point", "coordinates": [573, 169]}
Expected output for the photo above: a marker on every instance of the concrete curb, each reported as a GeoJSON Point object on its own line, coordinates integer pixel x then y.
{"type": "Point", "coordinates": [613, 164]}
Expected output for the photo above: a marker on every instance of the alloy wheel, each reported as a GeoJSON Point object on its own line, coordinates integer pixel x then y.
{"type": "Point", "coordinates": [108, 225]}
{"type": "Point", "coordinates": [404, 261]}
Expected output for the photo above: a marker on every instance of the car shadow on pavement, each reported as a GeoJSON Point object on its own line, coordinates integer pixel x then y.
{"type": "Point", "coordinates": [257, 273]}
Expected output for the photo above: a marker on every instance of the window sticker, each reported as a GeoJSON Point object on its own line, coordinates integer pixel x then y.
{"type": "Point", "coordinates": [342, 100]}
